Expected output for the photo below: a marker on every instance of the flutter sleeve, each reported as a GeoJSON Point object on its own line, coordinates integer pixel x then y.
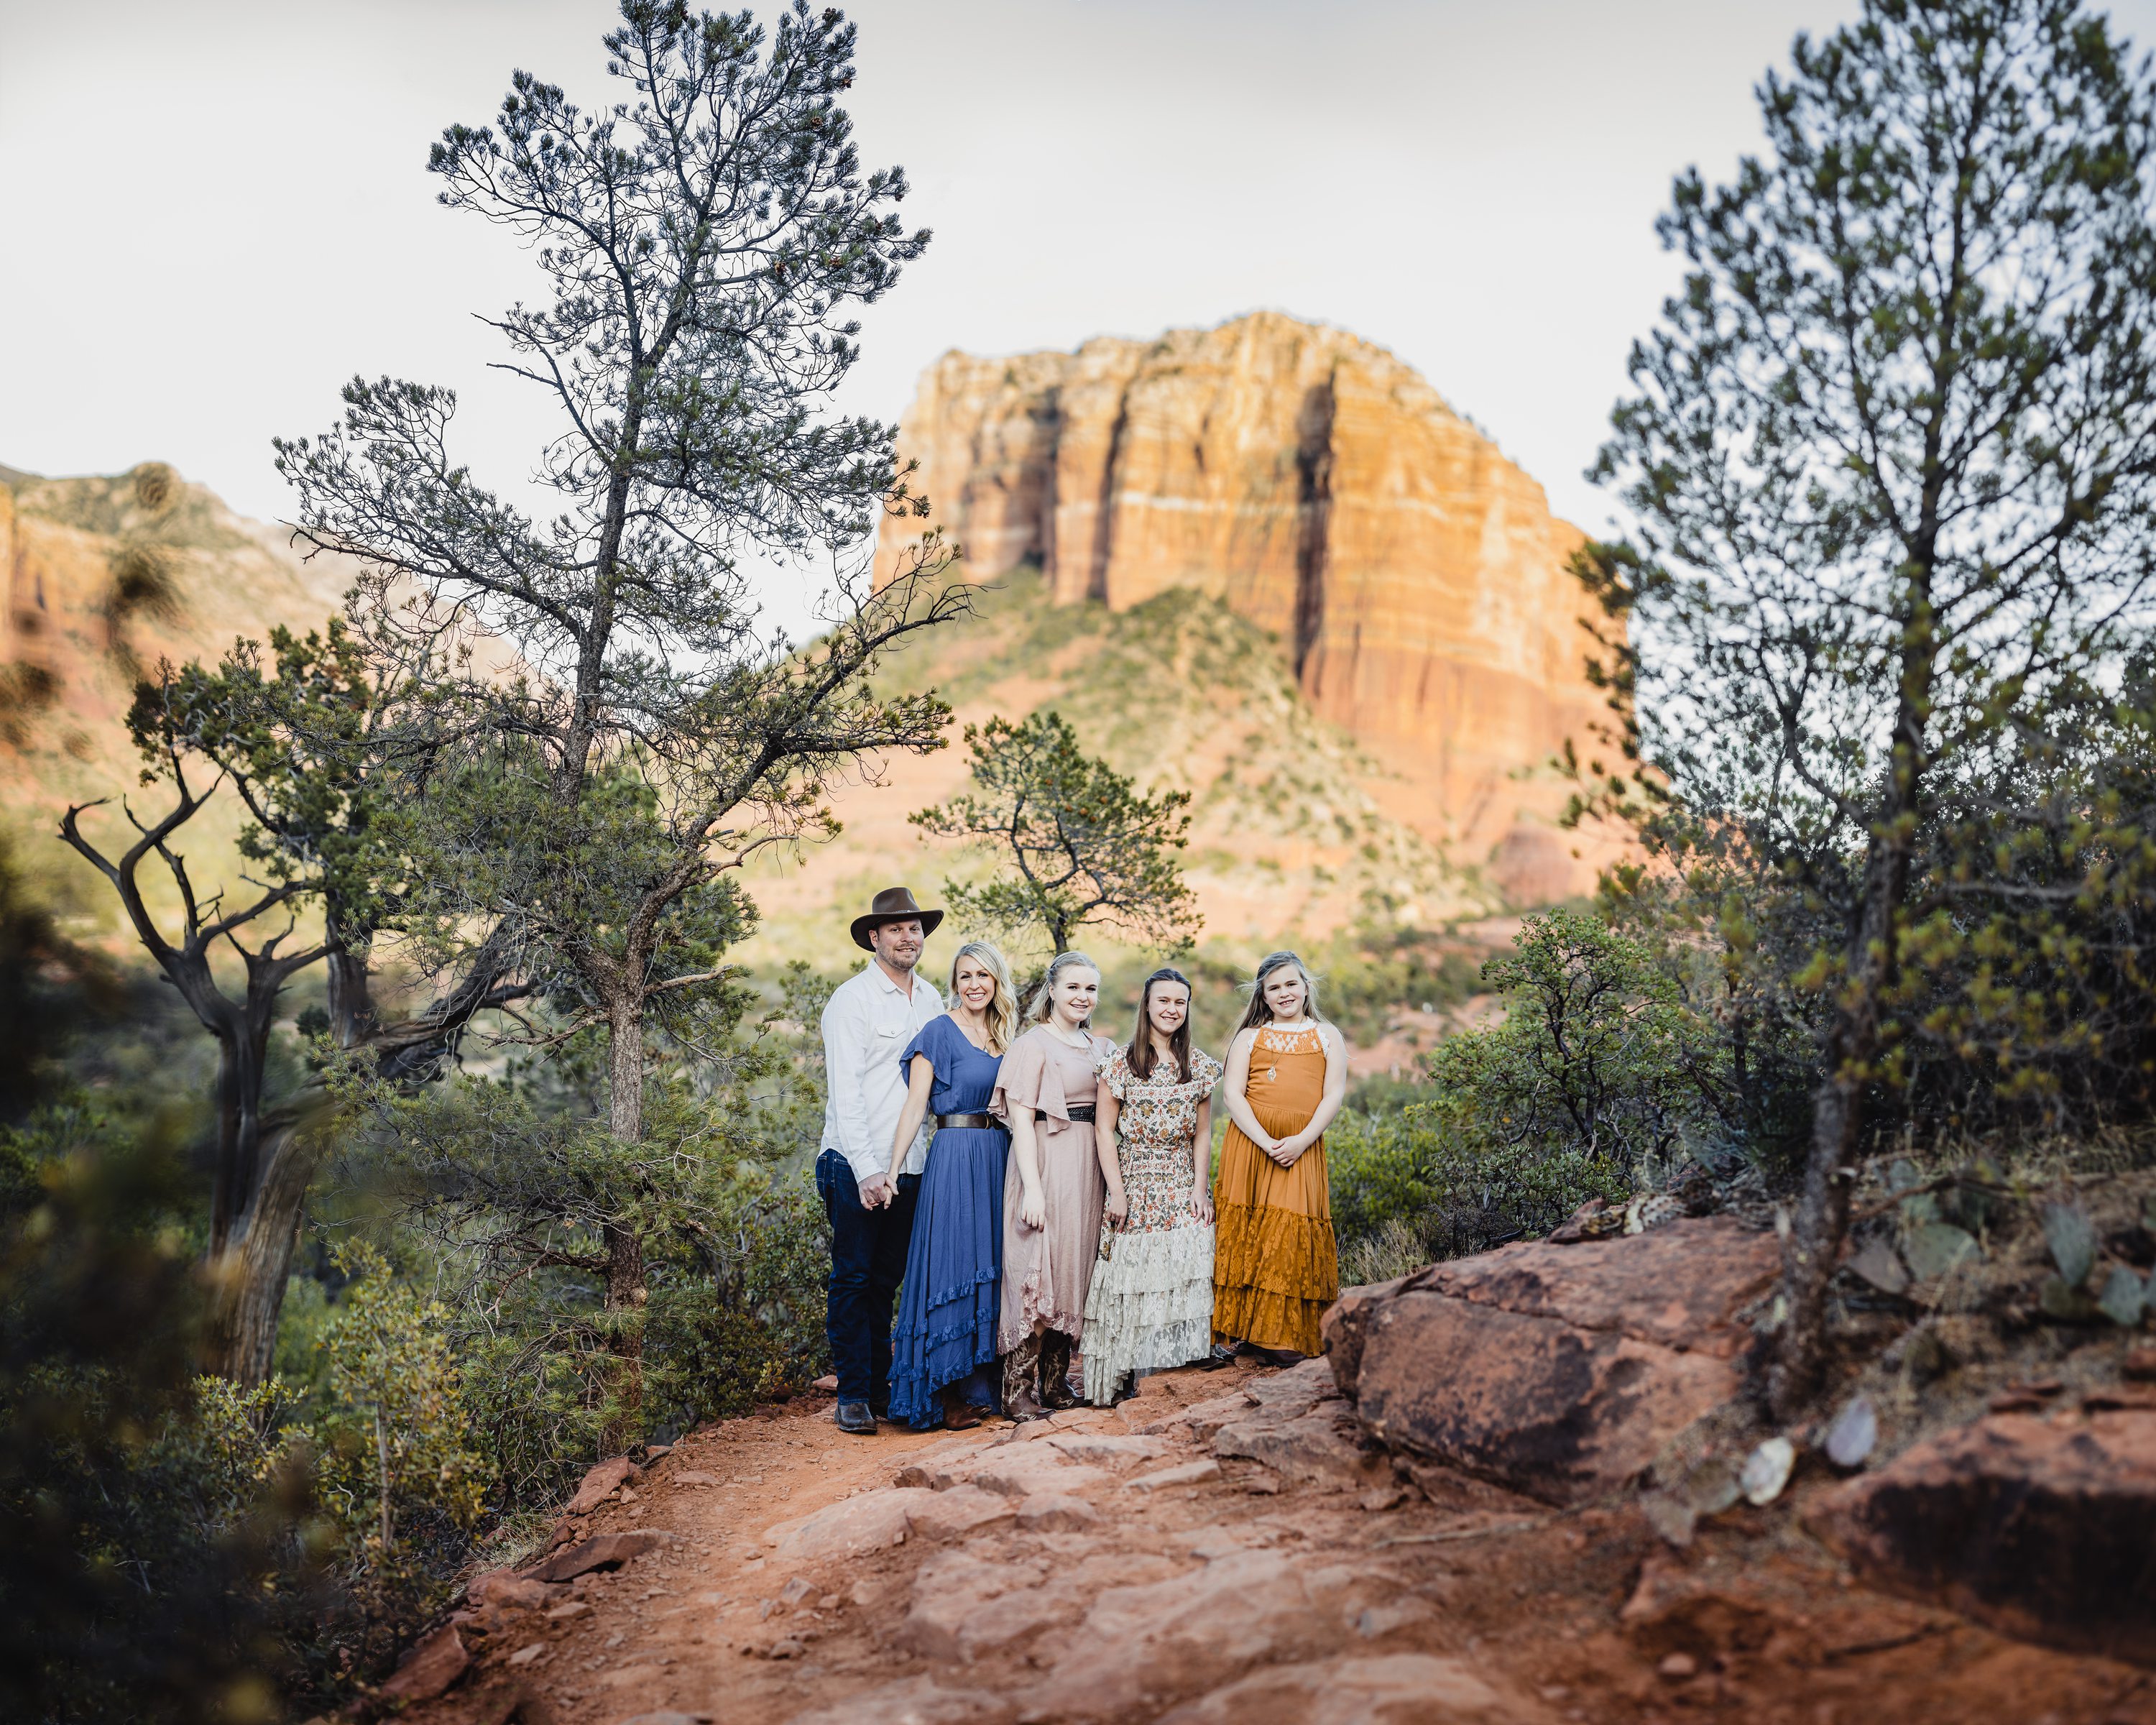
{"type": "Point", "coordinates": [928, 1041]}
{"type": "Point", "coordinates": [1116, 1074]}
{"type": "Point", "coordinates": [1019, 1078]}
{"type": "Point", "coordinates": [1204, 1068]}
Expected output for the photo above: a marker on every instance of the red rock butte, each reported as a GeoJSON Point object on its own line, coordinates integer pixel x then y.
{"type": "Point", "coordinates": [1414, 576]}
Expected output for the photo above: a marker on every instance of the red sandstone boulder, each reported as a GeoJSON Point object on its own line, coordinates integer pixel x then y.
{"type": "Point", "coordinates": [1203, 1420]}
{"type": "Point", "coordinates": [1556, 1370]}
{"type": "Point", "coordinates": [1675, 1609]}
{"type": "Point", "coordinates": [960, 1511]}
{"type": "Point", "coordinates": [2043, 1529]}
{"type": "Point", "coordinates": [506, 1586]}
{"type": "Point", "coordinates": [1106, 1449]}
{"type": "Point", "coordinates": [913, 1701]}
{"type": "Point", "coordinates": [948, 1598]}
{"type": "Point", "coordinates": [1345, 1318]}
{"type": "Point", "coordinates": [1193, 1631]}
{"type": "Point", "coordinates": [601, 1483]}
{"type": "Point", "coordinates": [603, 1551]}
{"type": "Point", "coordinates": [434, 1662]}
{"type": "Point", "coordinates": [1024, 1470]}
{"type": "Point", "coordinates": [1053, 1513]}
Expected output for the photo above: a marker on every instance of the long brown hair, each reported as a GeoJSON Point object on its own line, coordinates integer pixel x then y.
{"type": "Point", "coordinates": [1139, 1055]}
{"type": "Point", "coordinates": [1257, 1013]}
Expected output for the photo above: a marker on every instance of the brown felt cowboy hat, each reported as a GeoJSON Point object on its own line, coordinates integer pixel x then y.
{"type": "Point", "coordinates": [894, 904]}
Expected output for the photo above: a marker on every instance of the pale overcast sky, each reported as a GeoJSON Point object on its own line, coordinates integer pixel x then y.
{"type": "Point", "coordinates": [218, 210]}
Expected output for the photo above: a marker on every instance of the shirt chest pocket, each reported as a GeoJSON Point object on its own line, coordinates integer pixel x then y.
{"type": "Point", "coordinates": [885, 1034]}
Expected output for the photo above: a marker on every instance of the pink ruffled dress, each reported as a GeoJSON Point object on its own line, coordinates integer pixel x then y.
{"type": "Point", "coordinates": [1047, 1270]}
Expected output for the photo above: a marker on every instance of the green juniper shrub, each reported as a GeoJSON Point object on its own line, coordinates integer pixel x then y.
{"type": "Point", "coordinates": [156, 1559]}
{"type": "Point", "coordinates": [397, 1467]}
{"type": "Point", "coordinates": [1731, 945]}
{"type": "Point", "coordinates": [2031, 954]}
{"type": "Point", "coordinates": [749, 1326]}
{"type": "Point", "coordinates": [513, 1183]}
{"type": "Point", "coordinates": [1379, 968]}
{"type": "Point", "coordinates": [54, 987]}
{"type": "Point", "coordinates": [1594, 1059]}
{"type": "Point", "coordinates": [1586, 1088]}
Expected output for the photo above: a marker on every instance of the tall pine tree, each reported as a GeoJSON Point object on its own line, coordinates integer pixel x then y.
{"type": "Point", "coordinates": [1893, 458]}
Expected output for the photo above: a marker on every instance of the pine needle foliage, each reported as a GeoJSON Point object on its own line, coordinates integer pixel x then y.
{"type": "Point", "coordinates": [1892, 455]}
{"type": "Point", "coordinates": [629, 738]}
{"type": "Point", "coordinates": [1074, 841]}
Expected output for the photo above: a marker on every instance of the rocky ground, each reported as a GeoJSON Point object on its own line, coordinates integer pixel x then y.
{"type": "Point", "coordinates": [1531, 1485]}
{"type": "Point", "coordinates": [1228, 1546]}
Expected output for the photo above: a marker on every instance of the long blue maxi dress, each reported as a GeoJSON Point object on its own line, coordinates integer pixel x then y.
{"type": "Point", "coordinates": [948, 1305]}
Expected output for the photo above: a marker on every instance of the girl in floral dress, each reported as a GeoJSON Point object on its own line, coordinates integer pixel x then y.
{"type": "Point", "coordinates": [1151, 1304]}
{"type": "Point", "coordinates": [1276, 1267]}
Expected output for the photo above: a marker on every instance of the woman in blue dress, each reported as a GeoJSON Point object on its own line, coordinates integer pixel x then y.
{"type": "Point", "coordinates": [943, 1345]}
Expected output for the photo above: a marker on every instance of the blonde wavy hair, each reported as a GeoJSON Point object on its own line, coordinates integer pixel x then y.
{"type": "Point", "coordinates": [1002, 1014]}
{"type": "Point", "coordinates": [1043, 999]}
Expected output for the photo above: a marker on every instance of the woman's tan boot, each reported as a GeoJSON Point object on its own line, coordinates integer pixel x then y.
{"type": "Point", "coordinates": [958, 1415]}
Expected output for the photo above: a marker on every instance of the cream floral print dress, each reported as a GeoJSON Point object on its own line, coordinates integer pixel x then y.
{"type": "Point", "coordinates": [1151, 1303]}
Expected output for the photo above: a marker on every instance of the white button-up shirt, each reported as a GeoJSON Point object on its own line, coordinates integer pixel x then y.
{"type": "Point", "coordinates": [867, 1023]}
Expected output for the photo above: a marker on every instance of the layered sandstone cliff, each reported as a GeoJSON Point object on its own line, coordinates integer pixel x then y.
{"type": "Point", "coordinates": [1413, 578]}
{"type": "Point", "coordinates": [102, 579]}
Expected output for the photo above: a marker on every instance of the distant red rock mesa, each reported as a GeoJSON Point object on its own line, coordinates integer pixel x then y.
{"type": "Point", "coordinates": [1322, 489]}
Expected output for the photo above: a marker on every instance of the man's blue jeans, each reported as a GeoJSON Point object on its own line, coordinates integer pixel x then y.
{"type": "Point", "coordinates": [868, 1262]}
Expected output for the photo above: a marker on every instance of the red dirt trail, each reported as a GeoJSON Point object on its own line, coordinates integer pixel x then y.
{"type": "Point", "coordinates": [1243, 1598]}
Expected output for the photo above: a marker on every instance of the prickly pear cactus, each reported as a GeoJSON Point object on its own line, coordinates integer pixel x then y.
{"type": "Point", "coordinates": [2072, 1240]}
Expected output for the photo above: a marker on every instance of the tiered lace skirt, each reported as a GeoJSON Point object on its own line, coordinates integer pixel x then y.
{"type": "Point", "coordinates": [1151, 1305]}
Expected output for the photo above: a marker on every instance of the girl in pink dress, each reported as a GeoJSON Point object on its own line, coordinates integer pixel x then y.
{"type": "Point", "coordinates": [1053, 1192]}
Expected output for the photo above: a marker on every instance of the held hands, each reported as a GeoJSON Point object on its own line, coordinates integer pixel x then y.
{"type": "Point", "coordinates": [1032, 1209]}
{"type": "Point", "coordinates": [876, 1192]}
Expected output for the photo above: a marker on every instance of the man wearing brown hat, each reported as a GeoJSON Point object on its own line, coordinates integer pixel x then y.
{"type": "Point", "coordinates": [870, 1018]}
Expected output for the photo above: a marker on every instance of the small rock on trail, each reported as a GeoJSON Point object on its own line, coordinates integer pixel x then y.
{"type": "Point", "coordinates": [601, 1483]}
{"type": "Point", "coordinates": [435, 1662]}
{"type": "Point", "coordinates": [603, 1551]}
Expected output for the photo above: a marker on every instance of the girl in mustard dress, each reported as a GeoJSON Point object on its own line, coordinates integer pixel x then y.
{"type": "Point", "coordinates": [1276, 1267]}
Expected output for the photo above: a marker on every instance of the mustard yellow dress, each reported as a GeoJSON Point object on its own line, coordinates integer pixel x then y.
{"type": "Point", "coordinates": [1276, 1267]}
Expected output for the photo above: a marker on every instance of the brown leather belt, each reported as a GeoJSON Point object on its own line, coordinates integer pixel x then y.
{"type": "Point", "coordinates": [1083, 1114]}
{"type": "Point", "coordinates": [965, 1122]}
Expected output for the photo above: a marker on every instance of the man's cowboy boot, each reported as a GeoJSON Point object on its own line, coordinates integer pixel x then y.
{"type": "Point", "coordinates": [1055, 1391]}
{"type": "Point", "coordinates": [855, 1417]}
{"type": "Point", "coordinates": [1019, 1366]}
